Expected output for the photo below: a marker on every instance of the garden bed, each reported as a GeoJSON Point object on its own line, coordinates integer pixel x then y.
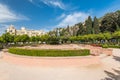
{"type": "Point", "coordinates": [49, 53]}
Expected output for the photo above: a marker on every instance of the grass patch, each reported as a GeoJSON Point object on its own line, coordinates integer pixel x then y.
{"type": "Point", "coordinates": [49, 53]}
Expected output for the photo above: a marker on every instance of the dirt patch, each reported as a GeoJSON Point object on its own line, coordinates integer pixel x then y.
{"type": "Point", "coordinates": [62, 47]}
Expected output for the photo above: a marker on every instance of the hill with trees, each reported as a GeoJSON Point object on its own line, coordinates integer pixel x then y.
{"type": "Point", "coordinates": [110, 22]}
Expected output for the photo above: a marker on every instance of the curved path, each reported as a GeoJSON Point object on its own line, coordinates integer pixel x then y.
{"type": "Point", "coordinates": [51, 61]}
{"type": "Point", "coordinates": [14, 67]}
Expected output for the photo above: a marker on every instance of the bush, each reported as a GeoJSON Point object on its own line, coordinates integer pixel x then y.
{"type": "Point", "coordinates": [53, 42]}
{"type": "Point", "coordinates": [1, 47]}
{"type": "Point", "coordinates": [49, 53]}
{"type": "Point", "coordinates": [104, 46]}
{"type": "Point", "coordinates": [110, 46]}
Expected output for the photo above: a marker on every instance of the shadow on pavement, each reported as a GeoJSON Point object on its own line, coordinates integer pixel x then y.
{"type": "Point", "coordinates": [116, 74]}
{"type": "Point", "coordinates": [112, 76]}
{"type": "Point", "coordinates": [116, 58]}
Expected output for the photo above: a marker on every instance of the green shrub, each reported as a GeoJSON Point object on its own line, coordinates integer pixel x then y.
{"type": "Point", "coordinates": [49, 53]}
{"type": "Point", "coordinates": [53, 42]}
{"type": "Point", "coordinates": [105, 46]}
{"type": "Point", "coordinates": [110, 46]}
{"type": "Point", "coordinates": [114, 46]}
{"type": "Point", "coordinates": [1, 47]}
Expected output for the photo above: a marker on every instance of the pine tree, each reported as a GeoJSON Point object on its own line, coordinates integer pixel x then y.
{"type": "Point", "coordinates": [67, 29]}
{"type": "Point", "coordinates": [96, 28]}
{"type": "Point", "coordinates": [81, 30]}
{"type": "Point", "coordinates": [88, 24]}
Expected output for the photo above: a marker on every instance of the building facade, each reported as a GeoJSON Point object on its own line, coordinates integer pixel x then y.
{"type": "Point", "coordinates": [23, 30]}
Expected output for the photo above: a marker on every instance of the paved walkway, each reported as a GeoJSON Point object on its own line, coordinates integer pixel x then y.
{"type": "Point", "coordinates": [1, 54]}
{"type": "Point", "coordinates": [10, 71]}
{"type": "Point", "coordinates": [51, 61]}
{"type": "Point", "coordinates": [14, 68]}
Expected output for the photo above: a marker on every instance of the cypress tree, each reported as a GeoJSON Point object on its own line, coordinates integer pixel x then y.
{"type": "Point", "coordinates": [96, 28]}
{"type": "Point", "coordinates": [81, 30]}
{"type": "Point", "coordinates": [67, 29]}
{"type": "Point", "coordinates": [88, 24]}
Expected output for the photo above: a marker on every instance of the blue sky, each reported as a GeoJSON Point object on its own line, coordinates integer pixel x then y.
{"type": "Point", "coordinates": [48, 14]}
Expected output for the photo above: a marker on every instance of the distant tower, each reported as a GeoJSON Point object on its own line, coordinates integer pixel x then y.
{"type": "Point", "coordinates": [11, 29]}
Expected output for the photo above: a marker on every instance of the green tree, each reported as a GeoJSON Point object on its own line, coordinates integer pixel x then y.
{"type": "Point", "coordinates": [24, 38]}
{"type": "Point", "coordinates": [118, 13]}
{"type": "Point", "coordinates": [33, 39]}
{"type": "Point", "coordinates": [8, 38]}
{"type": "Point", "coordinates": [68, 29]}
{"type": "Point", "coordinates": [88, 24]}
{"type": "Point", "coordinates": [17, 39]}
{"type": "Point", "coordinates": [62, 32]}
{"type": "Point", "coordinates": [64, 39]}
{"type": "Point", "coordinates": [1, 40]}
{"type": "Point", "coordinates": [116, 35]}
{"type": "Point", "coordinates": [38, 38]}
{"type": "Point", "coordinates": [81, 30]}
{"type": "Point", "coordinates": [53, 40]}
{"type": "Point", "coordinates": [110, 22]}
{"type": "Point", "coordinates": [107, 35]}
{"type": "Point", "coordinates": [100, 37]}
{"type": "Point", "coordinates": [96, 28]}
{"type": "Point", "coordinates": [45, 38]}
{"type": "Point", "coordinates": [74, 38]}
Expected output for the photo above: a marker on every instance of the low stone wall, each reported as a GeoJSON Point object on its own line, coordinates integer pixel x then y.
{"type": "Point", "coordinates": [108, 52]}
{"type": "Point", "coordinates": [96, 51]}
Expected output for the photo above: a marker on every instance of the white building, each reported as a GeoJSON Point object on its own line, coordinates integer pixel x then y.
{"type": "Point", "coordinates": [23, 31]}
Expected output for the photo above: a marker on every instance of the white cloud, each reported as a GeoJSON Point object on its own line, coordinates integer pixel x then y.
{"type": "Point", "coordinates": [61, 17]}
{"type": "Point", "coordinates": [73, 18]}
{"type": "Point", "coordinates": [30, 1]}
{"type": "Point", "coordinates": [7, 15]}
{"type": "Point", "coordinates": [3, 27]}
{"type": "Point", "coordinates": [53, 3]}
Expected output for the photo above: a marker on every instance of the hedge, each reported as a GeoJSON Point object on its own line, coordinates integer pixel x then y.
{"type": "Point", "coordinates": [49, 53]}
{"type": "Point", "coordinates": [110, 46]}
{"type": "Point", "coordinates": [1, 47]}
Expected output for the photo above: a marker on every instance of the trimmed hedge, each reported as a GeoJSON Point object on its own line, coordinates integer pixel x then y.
{"type": "Point", "coordinates": [110, 46]}
{"type": "Point", "coordinates": [49, 53]}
